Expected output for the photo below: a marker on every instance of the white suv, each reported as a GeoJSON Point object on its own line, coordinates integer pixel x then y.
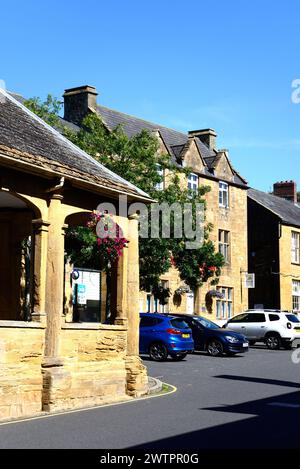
{"type": "Point", "coordinates": [273, 327]}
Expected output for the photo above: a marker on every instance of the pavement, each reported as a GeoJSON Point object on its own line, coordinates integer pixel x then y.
{"type": "Point", "coordinates": [154, 385]}
{"type": "Point", "coordinates": [246, 401]}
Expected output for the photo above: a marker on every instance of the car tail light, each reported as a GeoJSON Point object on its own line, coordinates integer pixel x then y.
{"type": "Point", "coordinates": [173, 331]}
{"type": "Point", "coordinates": [289, 325]}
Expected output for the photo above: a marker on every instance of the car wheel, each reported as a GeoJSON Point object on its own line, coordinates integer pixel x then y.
{"type": "Point", "coordinates": [252, 342]}
{"type": "Point", "coordinates": [178, 356]}
{"type": "Point", "coordinates": [214, 348]}
{"type": "Point", "coordinates": [158, 352]}
{"type": "Point", "coordinates": [273, 341]}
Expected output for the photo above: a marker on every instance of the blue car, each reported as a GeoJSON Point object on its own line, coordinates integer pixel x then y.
{"type": "Point", "coordinates": [162, 335]}
{"type": "Point", "coordinates": [213, 339]}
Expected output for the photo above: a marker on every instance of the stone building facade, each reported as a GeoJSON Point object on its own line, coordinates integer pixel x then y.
{"type": "Point", "coordinates": [274, 247]}
{"type": "Point", "coordinates": [226, 205]}
{"type": "Point", "coordinates": [48, 361]}
{"type": "Point", "coordinates": [226, 211]}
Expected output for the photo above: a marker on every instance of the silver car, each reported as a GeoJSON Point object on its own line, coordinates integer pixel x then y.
{"type": "Point", "coordinates": [273, 327]}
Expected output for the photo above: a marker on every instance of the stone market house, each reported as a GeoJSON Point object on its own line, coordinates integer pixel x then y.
{"type": "Point", "coordinates": [226, 205]}
{"type": "Point", "coordinates": [274, 247]}
{"type": "Point", "coordinates": [47, 361]}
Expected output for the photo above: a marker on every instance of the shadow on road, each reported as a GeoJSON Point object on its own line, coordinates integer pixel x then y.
{"type": "Point", "coordinates": [205, 354]}
{"type": "Point", "coordinates": [269, 423]}
{"type": "Point", "coordinates": [146, 358]}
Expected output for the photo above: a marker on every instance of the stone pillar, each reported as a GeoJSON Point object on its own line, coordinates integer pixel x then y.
{"type": "Point", "coordinates": [40, 231]}
{"type": "Point", "coordinates": [122, 274]}
{"type": "Point", "coordinates": [56, 379]}
{"type": "Point", "coordinates": [133, 287]}
{"type": "Point", "coordinates": [137, 380]}
{"type": "Point", "coordinates": [55, 277]}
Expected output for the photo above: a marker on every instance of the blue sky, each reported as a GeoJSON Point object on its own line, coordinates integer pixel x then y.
{"type": "Point", "coordinates": [186, 64]}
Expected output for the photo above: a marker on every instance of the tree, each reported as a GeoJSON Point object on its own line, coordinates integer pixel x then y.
{"type": "Point", "coordinates": [137, 159]}
{"type": "Point", "coordinates": [47, 110]}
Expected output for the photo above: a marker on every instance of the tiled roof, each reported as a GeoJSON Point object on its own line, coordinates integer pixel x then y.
{"type": "Point", "coordinates": [133, 125]}
{"type": "Point", "coordinates": [174, 139]}
{"type": "Point", "coordinates": [26, 137]}
{"type": "Point", "coordinates": [177, 150]}
{"type": "Point", "coordinates": [288, 212]}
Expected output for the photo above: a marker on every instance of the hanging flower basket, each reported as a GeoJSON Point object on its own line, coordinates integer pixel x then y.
{"type": "Point", "coordinates": [182, 290]}
{"type": "Point", "coordinates": [110, 239]}
{"type": "Point", "coordinates": [215, 294]}
{"type": "Point", "coordinates": [207, 271]}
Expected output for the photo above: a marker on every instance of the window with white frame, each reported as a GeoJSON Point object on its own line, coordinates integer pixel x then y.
{"type": "Point", "coordinates": [160, 185]}
{"type": "Point", "coordinates": [296, 295]}
{"type": "Point", "coordinates": [295, 247]}
{"type": "Point", "coordinates": [224, 246]}
{"type": "Point", "coordinates": [225, 304]}
{"type": "Point", "coordinates": [223, 194]}
{"type": "Point", "coordinates": [193, 182]}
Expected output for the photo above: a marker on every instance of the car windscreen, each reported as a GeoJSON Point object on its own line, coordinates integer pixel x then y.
{"type": "Point", "coordinates": [207, 323]}
{"type": "Point", "coordinates": [176, 322]}
{"type": "Point", "coordinates": [292, 317]}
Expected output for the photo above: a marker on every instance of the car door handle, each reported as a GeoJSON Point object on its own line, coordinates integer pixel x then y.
{"type": "Point", "coordinates": [262, 327]}
{"type": "Point", "coordinates": [243, 327]}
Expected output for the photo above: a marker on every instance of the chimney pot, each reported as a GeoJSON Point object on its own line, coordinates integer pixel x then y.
{"type": "Point", "coordinates": [286, 190]}
{"type": "Point", "coordinates": [207, 136]}
{"type": "Point", "coordinates": [78, 101]}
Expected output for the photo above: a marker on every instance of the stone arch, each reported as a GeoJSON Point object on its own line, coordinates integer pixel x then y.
{"type": "Point", "coordinates": [103, 308]}
{"type": "Point", "coordinates": [90, 274]}
{"type": "Point", "coordinates": [17, 214]}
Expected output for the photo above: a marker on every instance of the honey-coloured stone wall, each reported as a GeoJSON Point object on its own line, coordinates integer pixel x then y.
{"type": "Point", "coordinates": [21, 354]}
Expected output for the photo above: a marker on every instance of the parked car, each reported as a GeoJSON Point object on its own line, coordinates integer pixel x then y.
{"type": "Point", "coordinates": [211, 338]}
{"type": "Point", "coordinates": [162, 335]}
{"type": "Point", "coordinates": [273, 327]}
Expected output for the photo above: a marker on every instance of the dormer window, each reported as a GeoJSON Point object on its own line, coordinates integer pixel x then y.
{"type": "Point", "coordinates": [223, 194]}
{"type": "Point", "coordinates": [193, 182]}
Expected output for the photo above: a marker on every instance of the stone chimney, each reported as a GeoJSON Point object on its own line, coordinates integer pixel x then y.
{"type": "Point", "coordinates": [286, 190]}
{"type": "Point", "coordinates": [78, 101]}
{"type": "Point", "coordinates": [207, 136]}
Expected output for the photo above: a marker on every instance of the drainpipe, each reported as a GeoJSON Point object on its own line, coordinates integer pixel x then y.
{"type": "Point", "coordinates": [58, 186]}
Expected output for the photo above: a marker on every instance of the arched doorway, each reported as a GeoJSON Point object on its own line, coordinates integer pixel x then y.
{"type": "Point", "coordinates": [90, 289]}
{"type": "Point", "coordinates": [16, 256]}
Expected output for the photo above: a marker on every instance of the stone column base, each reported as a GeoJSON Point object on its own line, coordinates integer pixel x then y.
{"type": "Point", "coordinates": [121, 322]}
{"type": "Point", "coordinates": [56, 382]}
{"type": "Point", "coordinates": [136, 377]}
{"type": "Point", "coordinates": [39, 317]}
{"type": "Point", "coordinates": [68, 385]}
